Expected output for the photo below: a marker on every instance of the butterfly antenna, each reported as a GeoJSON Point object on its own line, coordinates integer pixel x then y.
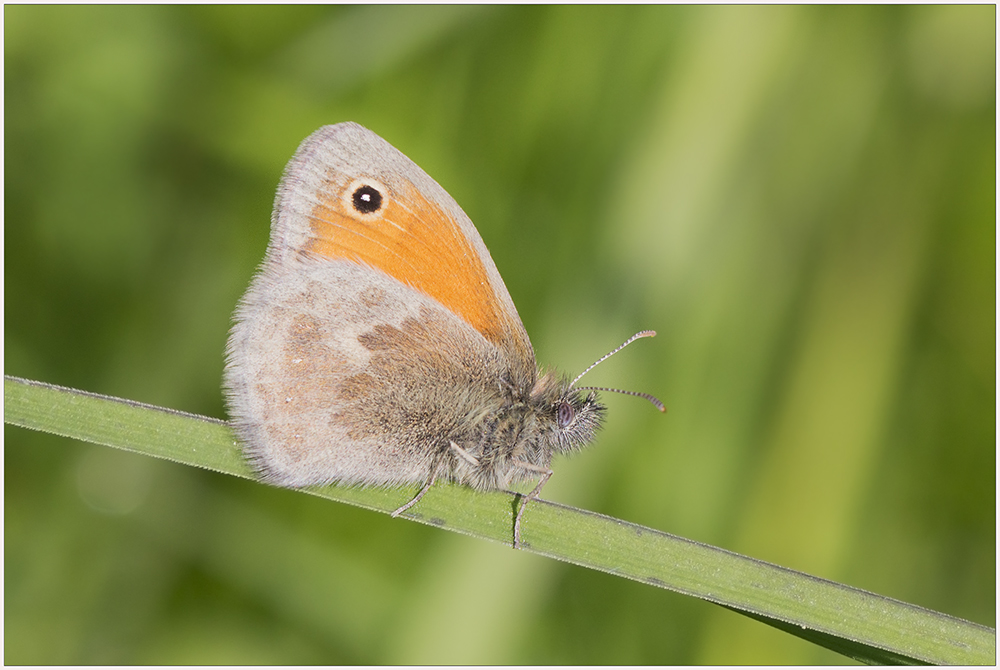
{"type": "Point", "coordinates": [653, 399]}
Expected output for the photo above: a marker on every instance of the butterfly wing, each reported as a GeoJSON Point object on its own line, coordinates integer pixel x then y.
{"type": "Point", "coordinates": [339, 373]}
{"type": "Point", "coordinates": [378, 328]}
{"type": "Point", "coordinates": [418, 234]}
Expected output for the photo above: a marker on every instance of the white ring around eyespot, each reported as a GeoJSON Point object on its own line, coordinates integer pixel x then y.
{"type": "Point", "coordinates": [347, 198]}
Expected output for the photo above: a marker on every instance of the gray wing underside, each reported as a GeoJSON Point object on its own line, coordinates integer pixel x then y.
{"type": "Point", "coordinates": [338, 372]}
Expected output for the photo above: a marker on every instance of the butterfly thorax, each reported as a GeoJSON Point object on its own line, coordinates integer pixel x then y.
{"type": "Point", "coordinates": [526, 427]}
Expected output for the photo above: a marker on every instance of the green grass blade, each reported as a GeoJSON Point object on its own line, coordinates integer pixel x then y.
{"type": "Point", "coordinates": [862, 625]}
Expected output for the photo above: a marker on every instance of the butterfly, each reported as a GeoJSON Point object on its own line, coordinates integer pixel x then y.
{"type": "Point", "coordinates": [377, 344]}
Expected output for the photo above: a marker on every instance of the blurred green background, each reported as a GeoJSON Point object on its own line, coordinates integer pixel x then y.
{"type": "Point", "coordinates": [801, 200]}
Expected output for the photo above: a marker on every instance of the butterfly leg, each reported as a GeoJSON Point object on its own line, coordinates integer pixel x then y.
{"type": "Point", "coordinates": [546, 473]}
{"type": "Point", "coordinates": [469, 458]}
{"type": "Point", "coordinates": [420, 494]}
{"type": "Point", "coordinates": [434, 472]}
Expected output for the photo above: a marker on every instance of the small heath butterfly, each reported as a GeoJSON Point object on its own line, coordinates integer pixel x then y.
{"type": "Point", "coordinates": [377, 344]}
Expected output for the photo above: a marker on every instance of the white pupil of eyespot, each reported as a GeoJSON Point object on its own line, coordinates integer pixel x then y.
{"type": "Point", "coordinates": [366, 197]}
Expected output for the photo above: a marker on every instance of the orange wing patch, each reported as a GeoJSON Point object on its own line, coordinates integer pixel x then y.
{"type": "Point", "coordinates": [415, 241]}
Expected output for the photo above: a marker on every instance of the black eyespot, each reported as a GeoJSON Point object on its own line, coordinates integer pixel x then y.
{"type": "Point", "coordinates": [564, 414]}
{"type": "Point", "coordinates": [367, 199]}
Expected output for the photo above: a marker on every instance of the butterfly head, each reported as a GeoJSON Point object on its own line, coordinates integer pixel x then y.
{"type": "Point", "coordinates": [568, 418]}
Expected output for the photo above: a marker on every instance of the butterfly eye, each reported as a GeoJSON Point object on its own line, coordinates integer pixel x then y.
{"type": "Point", "coordinates": [564, 414]}
{"type": "Point", "coordinates": [366, 199]}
